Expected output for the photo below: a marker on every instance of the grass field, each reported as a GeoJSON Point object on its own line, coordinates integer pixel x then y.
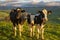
{"type": "Point", "coordinates": [52, 28]}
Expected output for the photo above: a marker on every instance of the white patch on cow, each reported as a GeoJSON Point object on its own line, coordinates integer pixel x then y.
{"type": "Point", "coordinates": [42, 26]}
{"type": "Point", "coordinates": [45, 13]}
{"type": "Point", "coordinates": [32, 19]}
{"type": "Point", "coordinates": [15, 27]}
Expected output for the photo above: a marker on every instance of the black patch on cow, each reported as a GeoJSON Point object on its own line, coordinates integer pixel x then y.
{"type": "Point", "coordinates": [13, 17]}
{"type": "Point", "coordinates": [28, 19]}
{"type": "Point", "coordinates": [38, 19]}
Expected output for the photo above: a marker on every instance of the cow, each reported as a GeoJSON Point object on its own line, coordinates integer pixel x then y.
{"type": "Point", "coordinates": [39, 20]}
{"type": "Point", "coordinates": [13, 19]}
{"type": "Point", "coordinates": [30, 22]}
{"type": "Point", "coordinates": [17, 17]}
{"type": "Point", "coordinates": [22, 16]}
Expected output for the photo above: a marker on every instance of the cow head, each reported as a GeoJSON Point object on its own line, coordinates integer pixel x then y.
{"type": "Point", "coordinates": [18, 10]}
{"type": "Point", "coordinates": [46, 12]}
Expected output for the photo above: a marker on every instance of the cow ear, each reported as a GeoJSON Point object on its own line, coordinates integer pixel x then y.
{"type": "Point", "coordinates": [49, 12]}
{"type": "Point", "coordinates": [22, 10]}
{"type": "Point", "coordinates": [39, 11]}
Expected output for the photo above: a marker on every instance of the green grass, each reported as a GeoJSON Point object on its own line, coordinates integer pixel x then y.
{"type": "Point", "coordinates": [3, 13]}
{"type": "Point", "coordinates": [52, 28]}
{"type": "Point", "coordinates": [52, 32]}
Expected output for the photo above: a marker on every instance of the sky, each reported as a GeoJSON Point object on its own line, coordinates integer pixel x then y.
{"type": "Point", "coordinates": [14, 2]}
{"type": "Point", "coordinates": [31, 0]}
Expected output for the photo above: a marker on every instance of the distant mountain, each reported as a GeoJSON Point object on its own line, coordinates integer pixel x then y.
{"type": "Point", "coordinates": [31, 4]}
{"type": "Point", "coordinates": [55, 3]}
{"type": "Point", "coordinates": [6, 7]}
{"type": "Point", "coordinates": [41, 4]}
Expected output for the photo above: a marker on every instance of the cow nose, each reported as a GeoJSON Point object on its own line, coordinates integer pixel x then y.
{"type": "Point", "coordinates": [32, 22]}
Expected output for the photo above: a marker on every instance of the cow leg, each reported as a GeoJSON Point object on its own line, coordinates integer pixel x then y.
{"type": "Point", "coordinates": [20, 29]}
{"type": "Point", "coordinates": [38, 31]}
{"type": "Point", "coordinates": [42, 32]}
{"type": "Point", "coordinates": [33, 29]}
{"type": "Point", "coordinates": [14, 30]}
{"type": "Point", "coordinates": [30, 30]}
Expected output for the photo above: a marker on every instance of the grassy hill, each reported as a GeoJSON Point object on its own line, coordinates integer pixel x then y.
{"type": "Point", "coordinates": [52, 27]}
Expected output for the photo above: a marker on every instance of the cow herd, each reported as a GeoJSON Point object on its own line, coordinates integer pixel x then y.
{"type": "Point", "coordinates": [18, 17]}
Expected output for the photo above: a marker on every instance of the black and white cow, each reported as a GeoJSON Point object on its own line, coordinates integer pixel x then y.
{"type": "Point", "coordinates": [17, 17]}
{"type": "Point", "coordinates": [30, 21]}
{"type": "Point", "coordinates": [13, 19]}
{"type": "Point", "coordinates": [22, 17]}
{"type": "Point", "coordinates": [39, 20]}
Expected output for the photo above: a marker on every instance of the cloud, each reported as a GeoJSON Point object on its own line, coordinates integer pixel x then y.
{"type": "Point", "coordinates": [21, 2]}
{"type": "Point", "coordinates": [2, 0]}
{"type": "Point", "coordinates": [8, 0]}
{"type": "Point", "coordinates": [48, 0]}
{"type": "Point", "coordinates": [11, 0]}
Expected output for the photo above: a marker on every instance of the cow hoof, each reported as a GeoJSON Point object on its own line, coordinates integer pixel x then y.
{"type": "Point", "coordinates": [42, 39]}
